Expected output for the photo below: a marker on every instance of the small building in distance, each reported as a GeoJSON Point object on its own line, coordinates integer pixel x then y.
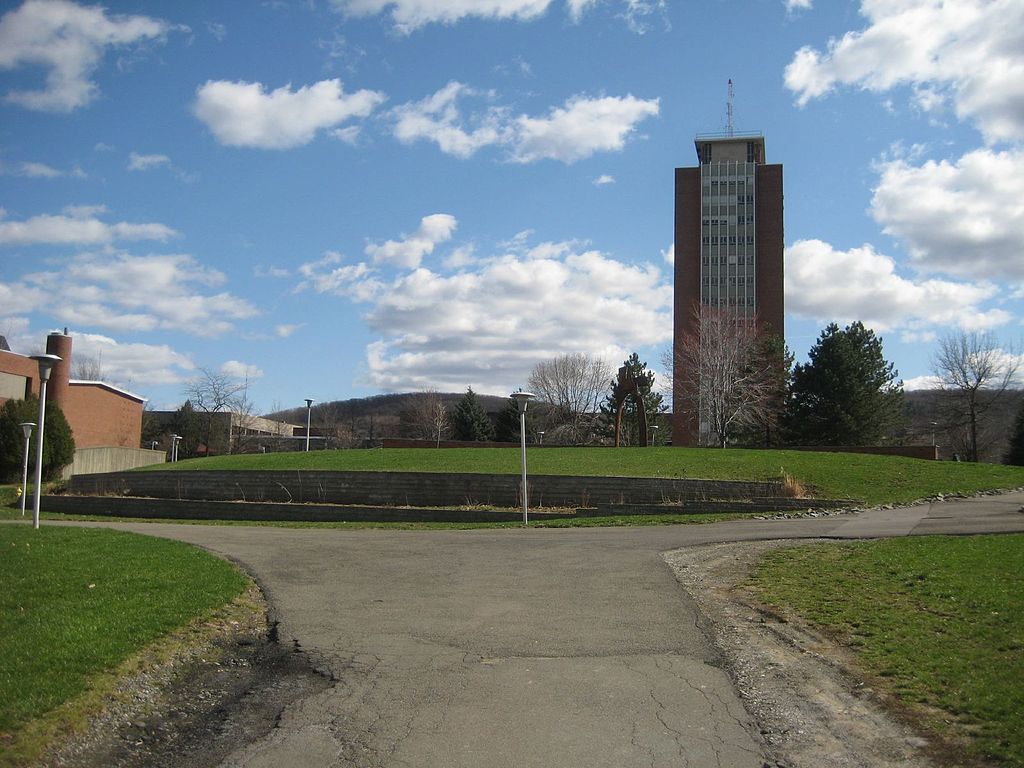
{"type": "Point", "coordinates": [99, 414]}
{"type": "Point", "coordinates": [728, 250]}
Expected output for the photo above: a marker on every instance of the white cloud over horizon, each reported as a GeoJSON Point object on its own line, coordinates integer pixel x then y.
{"type": "Point", "coordinates": [957, 218]}
{"type": "Point", "coordinates": [823, 283]}
{"type": "Point", "coordinates": [243, 114]}
{"type": "Point", "coordinates": [69, 41]}
{"type": "Point", "coordinates": [127, 293]}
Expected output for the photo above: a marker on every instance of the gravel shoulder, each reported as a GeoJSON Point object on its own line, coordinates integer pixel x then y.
{"type": "Point", "coordinates": [811, 706]}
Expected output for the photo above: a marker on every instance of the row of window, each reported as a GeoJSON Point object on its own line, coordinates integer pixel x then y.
{"type": "Point", "coordinates": [728, 221]}
{"type": "Point", "coordinates": [715, 299]}
{"type": "Point", "coordinates": [727, 199]}
{"type": "Point", "coordinates": [727, 239]}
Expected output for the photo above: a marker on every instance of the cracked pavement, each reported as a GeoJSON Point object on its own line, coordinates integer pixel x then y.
{"type": "Point", "coordinates": [558, 647]}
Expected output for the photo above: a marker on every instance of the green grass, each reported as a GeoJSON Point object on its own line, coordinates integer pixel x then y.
{"type": "Point", "coordinates": [75, 603]}
{"type": "Point", "coordinates": [938, 621]}
{"type": "Point", "coordinates": [873, 479]}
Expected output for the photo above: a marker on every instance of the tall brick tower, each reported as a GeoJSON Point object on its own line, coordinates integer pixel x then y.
{"type": "Point", "coordinates": [729, 249]}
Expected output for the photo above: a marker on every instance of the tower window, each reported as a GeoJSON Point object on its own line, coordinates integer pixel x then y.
{"type": "Point", "coordinates": [750, 151]}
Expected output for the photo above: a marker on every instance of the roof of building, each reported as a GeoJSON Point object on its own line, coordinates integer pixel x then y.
{"type": "Point", "coordinates": [110, 387]}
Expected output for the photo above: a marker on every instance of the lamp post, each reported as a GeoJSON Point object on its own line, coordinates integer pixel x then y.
{"type": "Point", "coordinates": [26, 428]}
{"type": "Point", "coordinates": [309, 416]}
{"type": "Point", "coordinates": [540, 435]}
{"type": "Point", "coordinates": [654, 433]}
{"type": "Point", "coordinates": [174, 447]}
{"type": "Point", "coordinates": [46, 363]}
{"type": "Point", "coordinates": [522, 398]}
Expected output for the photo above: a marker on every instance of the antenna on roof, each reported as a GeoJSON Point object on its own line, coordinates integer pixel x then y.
{"type": "Point", "coordinates": [729, 127]}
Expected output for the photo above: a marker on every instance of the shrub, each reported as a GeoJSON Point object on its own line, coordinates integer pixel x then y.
{"type": "Point", "coordinates": [58, 447]}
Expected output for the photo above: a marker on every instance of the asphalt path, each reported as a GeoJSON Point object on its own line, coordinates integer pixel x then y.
{"type": "Point", "coordinates": [528, 647]}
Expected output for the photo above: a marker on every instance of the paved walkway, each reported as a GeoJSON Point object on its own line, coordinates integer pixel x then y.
{"type": "Point", "coordinates": [492, 648]}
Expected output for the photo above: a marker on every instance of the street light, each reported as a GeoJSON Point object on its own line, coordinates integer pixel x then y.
{"type": "Point", "coordinates": [654, 433]}
{"type": "Point", "coordinates": [540, 434]}
{"type": "Point", "coordinates": [522, 398]}
{"type": "Point", "coordinates": [309, 415]}
{"type": "Point", "coordinates": [174, 446]}
{"type": "Point", "coordinates": [26, 428]}
{"type": "Point", "coordinates": [46, 363]}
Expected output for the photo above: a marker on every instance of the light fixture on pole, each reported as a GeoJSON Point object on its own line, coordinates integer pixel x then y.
{"type": "Point", "coordinates": [174, 447]}
{"type": "Point", "coordinates": [654, 433]}
{"type": "Point", "coordinates": [540, 435]}
{"type": "Point", "coordinates": [26, 428]}
{"type": "Point", "coordinates": [309, 415]}
{"type": "Point", "coordinates": [522, 399]}
{"type": "Point", "coordinates": [46, 363]}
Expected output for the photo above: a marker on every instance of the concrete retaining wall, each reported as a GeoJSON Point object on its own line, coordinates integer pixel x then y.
{"type": "Point", "coordinates": [111, 459]}
{"type": "Point", "coordinates": [419, 489]}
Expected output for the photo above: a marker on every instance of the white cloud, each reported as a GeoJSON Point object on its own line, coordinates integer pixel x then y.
{"type": "Point", "coordinates": [962, 218]}
{"type": "Point", "coordinates": [437, 118]}
{"type": "Point", "coordinates": [244, 115]}
{"type": "Point", "coordinates": [68, 40]}
{"type": "Point", "coordinates": [408, 252]}
{"type": "Point", "coordinates": [489, 325]}
{"type": "Point", "coordinates": [285, 330]}
{"type": "Point", "coordinates": [40, 171]}
{"type": "Point", "coordinates": [922, 382]}
{"type": "Point", "coordinates": [137, 162]}
{"type": "Point", "coordinates": [135, 293]}
{"type": "Point", "coordinates": [239, 370]}
{"type": "Point", "coordinates": [861, 284]}
{"type": "Point", "coordinates": [603, 179]}
{"type": "Point", "coordinates": [78, 225]}
{"type": "Point", "coordinates": [579, 129]}
{"type": "Point", "coordinates": [410, 15]}
{"type": "Point", "coordinates": [799, 5]}
{"type": "Point", "coordinates": [325, 276]}
{"type": "Point", "coordinates": [970, 51]}
{"type": "Point", "coordinates": [669, 255]}
{"type": "Point", "coordinates": [127, 364]}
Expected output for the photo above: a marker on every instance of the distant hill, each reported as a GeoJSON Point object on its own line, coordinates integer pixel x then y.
{"type": "Point", "coordinates": [373, 417]}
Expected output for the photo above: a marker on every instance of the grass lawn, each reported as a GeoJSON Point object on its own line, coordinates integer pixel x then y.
{"type": "Point", "coordinates": [874, 479]}
{"type": "Point", "coordinates": [936, 621]}
{"type": "Point", "coordinates": [76, 603]}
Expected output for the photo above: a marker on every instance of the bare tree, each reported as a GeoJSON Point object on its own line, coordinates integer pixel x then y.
{"type": "Point", "coordinates": [213, 393]}
{"type": "Point", "coordinates": [974, 372]}
{"type": "Point", "coordinates": [425, 416]}
{"type": "Point", "coordinates": [87, 368]}
{"type": "Point", "coordinates": [721, 364]}
{"type": "Point", "coordinates": [573, 384]}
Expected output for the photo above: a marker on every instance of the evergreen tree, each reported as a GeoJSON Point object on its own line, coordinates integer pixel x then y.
{"type": "Point", "coordinates": [1015, 454]}
{"type": "Point", "coordinates": [765, 428]}
{"type": "Point", "coordinates": [470, 421]}
{"type": "Point", "coordinates": [187, 423]}
{"type": "Point", "coordinates": [652, 402]}
{"type": "Point", "coordinates": [507, 427]}
{"type": "Point", "coordinates": [847, 393]}
{"type": "Point", "coordinates": [58, 443]}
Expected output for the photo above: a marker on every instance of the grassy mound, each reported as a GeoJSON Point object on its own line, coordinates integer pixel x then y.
{"type": "Point", "coordinates": [875, 479]}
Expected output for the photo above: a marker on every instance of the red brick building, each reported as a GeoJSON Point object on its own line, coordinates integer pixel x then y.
{"type": "Point", "coordinates": [99, 414]}
{"type": "Point", "coordinates": [728, 250]}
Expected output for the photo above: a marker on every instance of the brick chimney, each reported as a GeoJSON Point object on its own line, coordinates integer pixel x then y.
{"type": "Point", "coordinates": [57, 389]}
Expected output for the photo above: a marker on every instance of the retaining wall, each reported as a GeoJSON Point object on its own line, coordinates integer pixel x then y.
{"type": "Point", "coordinates": [421, 489]}
{"type": "Point", "coordinates": [111, 458]}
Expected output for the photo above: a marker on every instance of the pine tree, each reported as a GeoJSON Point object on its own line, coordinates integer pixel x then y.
{"type": "Point", "coordinates": [847, 393]}
{"type": "Point", "coordinates": [651, 399]}
{"type": "Point", "coordinates": [1015, 454]}
{"type": "Point", "coordinates": [470, 421]}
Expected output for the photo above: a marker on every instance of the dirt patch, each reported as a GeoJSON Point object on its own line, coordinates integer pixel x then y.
{"type": "Point", "coordinates": [811, 708]}
{"type": "Point", "coordinates": [196, 697]}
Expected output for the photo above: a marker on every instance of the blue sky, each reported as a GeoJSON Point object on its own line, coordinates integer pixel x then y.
{"type": "Point", "coordinates": [337, 198]}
